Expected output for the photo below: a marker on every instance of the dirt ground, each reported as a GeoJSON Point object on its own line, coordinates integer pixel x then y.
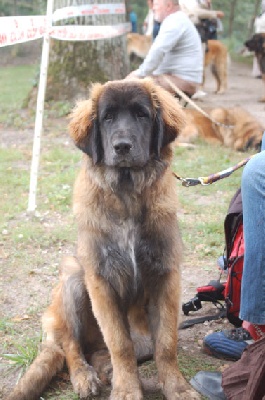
{"type": "Point", "coordinates": [243, 90]}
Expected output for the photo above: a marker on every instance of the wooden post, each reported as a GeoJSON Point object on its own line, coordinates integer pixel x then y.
{"type": "Point", "coordinates": [40, 111]}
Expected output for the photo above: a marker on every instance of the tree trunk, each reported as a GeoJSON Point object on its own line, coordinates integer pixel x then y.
{"type": "Point", "coordinates": [75, 64]}
{"type": "Point", "coordinates": [231, 17]}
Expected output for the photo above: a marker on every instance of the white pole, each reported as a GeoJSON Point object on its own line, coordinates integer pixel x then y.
{"type": "Point", "coordinates": [40, 110]}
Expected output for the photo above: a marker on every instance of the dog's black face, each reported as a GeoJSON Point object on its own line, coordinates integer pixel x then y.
{"type": "Point", "coordinates": [125, 123]}
{"type": "Point", "coordinates": [256, 43]}
{"type": "Point", "coordinates": [125, 127]}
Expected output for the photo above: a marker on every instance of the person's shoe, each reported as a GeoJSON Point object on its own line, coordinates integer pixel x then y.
{"type": "Point", "coordinates": [227, 344]}
{"type": "Point", "coordinates": [209, 384]}
{"type": "Point", "coordinates": [256, 331]}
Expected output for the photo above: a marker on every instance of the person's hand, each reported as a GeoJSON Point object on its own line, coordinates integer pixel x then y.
{"type": "Point", "coordinates": [220, 14]}
{"type": "Point", "coordinates": [132, 74]}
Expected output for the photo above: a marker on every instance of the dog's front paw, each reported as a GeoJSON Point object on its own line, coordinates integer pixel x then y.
{"type": "Point", "coordinates": [175, 387]}
{"type": "Point", "coordinates": [85, 382]}
{"type": "Point", "coordinates": [126, 394]}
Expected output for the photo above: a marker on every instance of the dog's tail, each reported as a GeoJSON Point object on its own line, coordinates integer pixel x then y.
{"type": "Point", "coordinates": [40, 373]}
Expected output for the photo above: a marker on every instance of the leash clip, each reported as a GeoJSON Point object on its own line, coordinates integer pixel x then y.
{"type": "Point", "coordinates": [201, 179]}
{"type": "Point", "coordinates": [190, 182]}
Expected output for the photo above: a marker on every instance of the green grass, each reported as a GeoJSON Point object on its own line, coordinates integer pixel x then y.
{"type": "Point", "coordinates": [24, 355]}
{"type": "Point", "coordinates": [22, 78]}
{"type": "Point", "coordinates": [32, 245]}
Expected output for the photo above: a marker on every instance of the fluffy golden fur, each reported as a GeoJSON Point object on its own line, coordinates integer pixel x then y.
{"type": "Point", "coordinates": [138, 44]}
{"type": "Point", "coordinates": [257, 44]}
{"type": "Point", "coordinates": [216, 56]}
{"type": "Point", "coordinates": [123, 287]}
{"type": "Point", "coordinates": [242, 130]}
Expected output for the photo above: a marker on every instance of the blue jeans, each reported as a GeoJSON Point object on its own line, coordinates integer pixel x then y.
{"type": "Point", "coordinates": [252, 307]}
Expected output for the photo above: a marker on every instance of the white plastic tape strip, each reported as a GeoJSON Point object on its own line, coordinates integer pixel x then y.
{"type": "Point", "coordinates": [89, 9]}
{"type": "Point", "coordinates": [21, 29]}
{"type": "Point", "coordinates": [77, 32]}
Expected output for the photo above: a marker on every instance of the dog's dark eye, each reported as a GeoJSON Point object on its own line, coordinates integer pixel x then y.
{"type": "Point", "coordinates": [140, 113]}
{"type": "Point", "coordinates": [108, 116]}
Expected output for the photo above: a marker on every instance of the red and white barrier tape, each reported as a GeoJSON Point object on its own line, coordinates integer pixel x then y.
{"type": "Point", "coordinates": [77, 32]}
{"type": "Point", "coordinates": [22, 29]}
{"type": "Point", "coordinates": [89, 9]}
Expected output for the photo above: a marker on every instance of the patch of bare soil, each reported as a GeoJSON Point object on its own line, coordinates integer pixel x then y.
{"type": "Point", "coordinates": [29, 287]}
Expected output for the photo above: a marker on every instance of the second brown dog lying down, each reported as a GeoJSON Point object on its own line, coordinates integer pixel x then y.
{"type": "Point", "coordinates": [242, 131]}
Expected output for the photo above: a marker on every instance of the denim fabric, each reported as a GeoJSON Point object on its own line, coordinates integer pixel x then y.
{"type": "Point", "coordinates": [252, 306]}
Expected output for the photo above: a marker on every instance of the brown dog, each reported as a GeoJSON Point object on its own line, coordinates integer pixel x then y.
{"type": "Point", "coordinates": [239, 130]}
{"type": "Point", "coordinates": [216, 56]}
{"type": "Point", "coordinates": [138, 44]}
{"type": "Point", "coordinates": [127, 273]}
{"type": "Point", "coordinates": [257, 44]}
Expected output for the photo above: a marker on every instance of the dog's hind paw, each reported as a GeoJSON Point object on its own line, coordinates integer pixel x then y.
{"type": "Point", "coordinates": [85, 382]}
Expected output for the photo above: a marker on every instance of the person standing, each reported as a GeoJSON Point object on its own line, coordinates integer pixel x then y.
{"type": "Point", "coordinates": [133, 20]}
{"type": "Point", "coordinates": [149, 20]}
{"type": "Point", "coordinates": [259, 27]}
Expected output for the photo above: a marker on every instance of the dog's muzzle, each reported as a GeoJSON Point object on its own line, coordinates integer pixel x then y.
{"type": "Point", "coordinates": [122, 147]}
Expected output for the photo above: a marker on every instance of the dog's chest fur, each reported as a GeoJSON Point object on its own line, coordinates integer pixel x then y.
{"type": "Point", "coordinates": [128, 255]}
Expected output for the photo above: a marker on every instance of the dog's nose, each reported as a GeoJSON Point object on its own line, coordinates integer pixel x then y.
{"type": "Point", "coordinates": [122, 147]}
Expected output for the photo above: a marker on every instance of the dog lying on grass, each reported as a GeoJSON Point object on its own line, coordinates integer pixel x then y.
{"type": "Point", "coordinates": [240, 130]}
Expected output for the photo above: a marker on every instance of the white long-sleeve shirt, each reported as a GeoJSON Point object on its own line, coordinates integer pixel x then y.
{"type": "Point", "coordinates": [177, 50]}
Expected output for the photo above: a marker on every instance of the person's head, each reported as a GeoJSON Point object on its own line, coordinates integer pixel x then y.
{"type": "Point", "coordinates": [150, 3]}
{"type": "Point", "coordinates": [163, 8]}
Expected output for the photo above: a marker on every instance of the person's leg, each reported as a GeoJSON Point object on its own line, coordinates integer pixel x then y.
{"type": "Point", "coordinates": [252, 307]}
{"type": "Point", "coordinates": [229, 344]}
{"type": "Point", "coordinates": [169, 82]}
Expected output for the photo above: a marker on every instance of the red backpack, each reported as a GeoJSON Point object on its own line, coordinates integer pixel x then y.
{"type": "Point", "coordinates": [229, 291]}
{"type": "Point", "coordinates": [235, 248]}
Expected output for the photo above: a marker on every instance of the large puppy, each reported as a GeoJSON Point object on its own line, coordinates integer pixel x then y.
{"type": "Point", "coordinates": [128, 251]}
{"type": "Point", "coordinates": [257, 44]}
{"type": "Point", "coordinates": [216, 56]}
{"type": "Point", "coordinates": [239, 130]}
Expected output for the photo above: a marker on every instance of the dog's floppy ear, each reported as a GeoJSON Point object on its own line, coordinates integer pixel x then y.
{"type": "Point", "coordinates": [169, 116]}
{"type": "Point", "coordinates": [84, 127]}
